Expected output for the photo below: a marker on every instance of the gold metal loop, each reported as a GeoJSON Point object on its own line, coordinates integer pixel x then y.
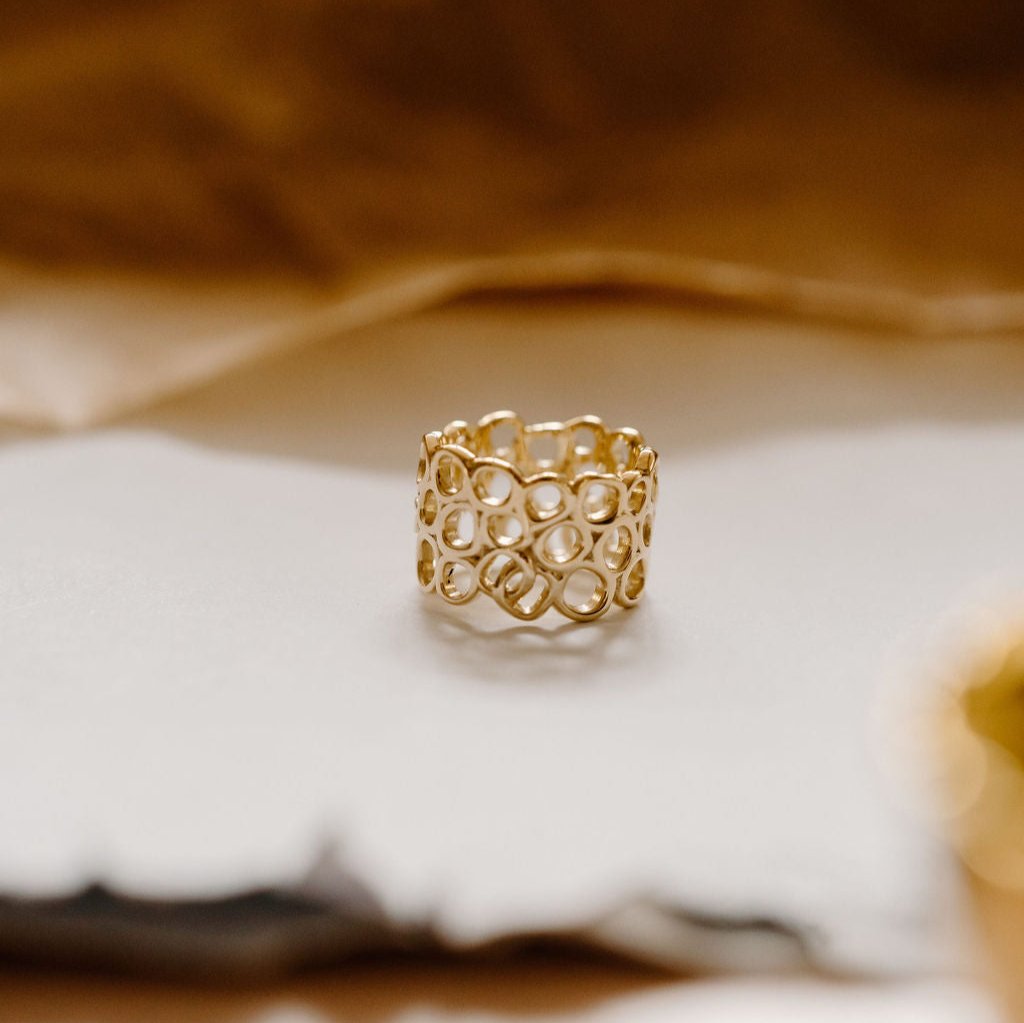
{"type": "Point", "coordinates": [535, 516]}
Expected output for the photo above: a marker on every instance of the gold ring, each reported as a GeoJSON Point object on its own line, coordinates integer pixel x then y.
{"type": "Point", "coordinates": [550, 515]}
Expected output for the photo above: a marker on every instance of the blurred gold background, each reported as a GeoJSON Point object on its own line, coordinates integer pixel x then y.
{"type": "Point", "coordinates": [853, 139]}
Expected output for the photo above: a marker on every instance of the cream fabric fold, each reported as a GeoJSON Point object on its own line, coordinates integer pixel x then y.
{"type": "Point", "coordinates": [78, 350]}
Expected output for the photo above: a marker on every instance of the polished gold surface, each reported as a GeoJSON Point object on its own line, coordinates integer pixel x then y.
{"type": "Point", "coordinates": [549, 515]}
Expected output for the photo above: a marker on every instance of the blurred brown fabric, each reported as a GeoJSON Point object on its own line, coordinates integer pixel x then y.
{"type": "Point", "coordinates": [186, 186]}
{"type": "Point", "coordinates": [857, 140]}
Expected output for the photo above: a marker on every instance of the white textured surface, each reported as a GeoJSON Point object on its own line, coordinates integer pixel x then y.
{"type": "Point", "coordinates": [215, 657]}
{"type": "Point", "coordinates": [723, 1002]}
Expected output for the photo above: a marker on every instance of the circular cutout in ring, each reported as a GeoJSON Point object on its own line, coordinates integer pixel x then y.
{"type": "Point", "coordinates": [450, 475]}
{"type": "Point", "coordinates": [599, 502]}
{"type": "Point", "coordinates": [496, 567]}
{"type": "Point", "coordinates": [620, 453]}
{"type": "Point", "coordinates": [561, 544]}
{"type": "Point", "coordinates": [585, 442]}
{"type": "Point", "coordinates": [585, 592]}
{"type": "Point", "coordinates": [459, 529]}
{"type": "Point", "coordinates": [618, 548]}
{"type": "Point", "coordinates": [428, 508]}
{"type": "Point", "coordinates": [426, 563]}
{"type": "Point", "coordinates": [545, 449]}
{"type": "Point", "coordinates": [493, 486]}
{"type": "Point", "coordinates": [504, 530]}
{"type": "Point", "coordinates": [456, 581]}
{"type": "Point", "coordinates": [544, 501]}
{"type": "Point", "coordinates": [503, 437]}
{"type": "Point", "coordinates": [634, 584]}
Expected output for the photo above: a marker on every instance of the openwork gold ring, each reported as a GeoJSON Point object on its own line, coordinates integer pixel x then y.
{"type": "Point", "coordinates": [550, 515]}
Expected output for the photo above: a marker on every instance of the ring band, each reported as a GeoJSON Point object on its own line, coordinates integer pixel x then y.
{"type": "Point", "coordinates": [550, 515]}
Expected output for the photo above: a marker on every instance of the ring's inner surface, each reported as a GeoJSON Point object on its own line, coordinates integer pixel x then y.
{"type": "Point", "coordinates": [567, 448]}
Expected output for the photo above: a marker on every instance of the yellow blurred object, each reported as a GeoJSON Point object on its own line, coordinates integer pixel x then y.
{"type": "Point", "coordinates": [984, 744]}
